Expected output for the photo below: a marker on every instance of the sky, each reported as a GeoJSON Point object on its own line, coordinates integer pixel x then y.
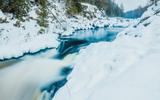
{"type": "Point", "coordinates": [131, 4]}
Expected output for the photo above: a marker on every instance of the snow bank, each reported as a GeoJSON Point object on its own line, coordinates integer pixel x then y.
{"type": "Point", "coordinates": [99, 63]}
{"type": "Point", "coordinates": [15, 41]}
{"type": "Point", "coordinates": [140, 82]}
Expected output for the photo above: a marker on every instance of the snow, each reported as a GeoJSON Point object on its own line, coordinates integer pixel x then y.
{"type": "Point", "coordinates": [125, 69]}
{"type": "Point", "coordinates": [140, 82]}
{"type": "Point", "coordinates": [23, 39]}
{"type": "Point", "coordinates": [131, 4]}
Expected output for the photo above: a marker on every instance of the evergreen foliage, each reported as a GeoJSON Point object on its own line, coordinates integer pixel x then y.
{"type": "Point", "coordinates": [43, 13]}
{"type": "Point", "coordinates": [19, 8]}
{"type": "Point", "coordinates": [110, 7]}
{"type": "Point", "coordinates": [74, 7]}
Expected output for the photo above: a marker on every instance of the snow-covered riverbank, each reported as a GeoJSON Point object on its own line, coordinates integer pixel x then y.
{"type": "Point", "coordinates": [38, 76]}
{"type": "Point", "coordinates": [29, 37]}
{"type": "Point", "coordinates": [125, 69]}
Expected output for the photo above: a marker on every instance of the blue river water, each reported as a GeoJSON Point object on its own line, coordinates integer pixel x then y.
{"type": "Point", "coordinates": [68, 45]}
{"type": "Point", "coordinates": [81, 38]}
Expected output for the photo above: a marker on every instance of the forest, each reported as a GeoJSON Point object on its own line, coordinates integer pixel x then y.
{"type": "Point", "coordinates": [20, 7]}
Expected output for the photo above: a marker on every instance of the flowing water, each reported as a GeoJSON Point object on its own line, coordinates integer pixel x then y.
{"type": "Point", "coordinates": [40, 76]}
{"type": "Point", "coordinates": [82, 38]}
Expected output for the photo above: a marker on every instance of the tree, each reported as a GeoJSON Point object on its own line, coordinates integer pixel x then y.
{"type": "Point", "coordinates": [73, 7]}
{"type": "Point", "coordinates": [19, 8]}
{"type": "Point", "coordinates": [109, 6]}
{"type": "Point", "coordinates": [43, 13]}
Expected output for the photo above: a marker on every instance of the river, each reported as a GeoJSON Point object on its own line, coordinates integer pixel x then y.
{"type": "Point", "coordinates": [39, 76]}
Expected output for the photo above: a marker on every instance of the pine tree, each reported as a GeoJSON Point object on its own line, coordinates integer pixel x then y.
{"type": "Point", "coordinates": [43, 13]}
{"type": "Point", "coordinates": [73, 6]}
{"type": "Point", "coordinates": [19, 8]}
{"type": "Point", "coordinates": [109, 6]}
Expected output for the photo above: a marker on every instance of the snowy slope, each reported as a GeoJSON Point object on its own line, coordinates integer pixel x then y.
{"type": "Point", "coordinates": [140, 82]}
{"type": "Point", "coordinates": [123, 69]}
